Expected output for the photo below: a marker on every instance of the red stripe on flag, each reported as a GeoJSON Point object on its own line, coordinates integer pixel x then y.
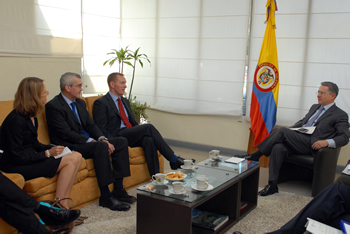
{"type": "Point", "coordinates": [257, 122]}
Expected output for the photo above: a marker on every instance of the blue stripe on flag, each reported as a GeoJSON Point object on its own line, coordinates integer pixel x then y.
{"type": "Point", "coordinates": [268, 107]}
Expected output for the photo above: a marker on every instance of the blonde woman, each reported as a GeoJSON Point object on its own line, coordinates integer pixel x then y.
{"type": "Point", "coordinates": [23, 153]}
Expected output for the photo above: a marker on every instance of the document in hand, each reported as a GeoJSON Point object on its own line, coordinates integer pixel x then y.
{"type": "Point", "coordinates": [347, 169]}
{"type": "Point", "coordinates": [345, 226]}
{"type": "Point", "coordinates": [65, 152]}
{"type": "Point", "coordinates": [316, 227]}
{"type": "Point", "coordinates": [306, 130]}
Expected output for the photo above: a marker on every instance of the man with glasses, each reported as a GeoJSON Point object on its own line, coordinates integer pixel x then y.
{"type": "Point", "coordinates": [70, 124]}
{"type": "Point", "coordinates": [332, 130]}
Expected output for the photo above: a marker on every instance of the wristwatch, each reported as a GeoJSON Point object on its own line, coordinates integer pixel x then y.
{"type": "Point", "coordinates": [105, 138]}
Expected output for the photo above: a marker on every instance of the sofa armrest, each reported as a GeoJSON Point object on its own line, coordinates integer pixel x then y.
{"type": "Point", "coordinates": [18, 179]}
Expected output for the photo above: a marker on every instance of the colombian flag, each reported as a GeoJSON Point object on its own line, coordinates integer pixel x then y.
{"type": "Point", "coordinates": [266, 81]}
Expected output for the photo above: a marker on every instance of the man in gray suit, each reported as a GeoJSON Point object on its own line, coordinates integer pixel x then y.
{"type": "Point", "coordinates": [332, 130]}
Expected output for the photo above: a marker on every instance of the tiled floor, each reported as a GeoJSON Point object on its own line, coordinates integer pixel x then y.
{"type": "Point", "coordinates": [299, 187]}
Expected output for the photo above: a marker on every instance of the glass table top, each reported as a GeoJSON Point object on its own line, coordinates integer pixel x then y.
{"type": "Point", "coordinates": [218, 173]}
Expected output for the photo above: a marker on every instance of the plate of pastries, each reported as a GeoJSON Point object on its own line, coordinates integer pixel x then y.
{"type": "Point", "coordinates": [175, 176]}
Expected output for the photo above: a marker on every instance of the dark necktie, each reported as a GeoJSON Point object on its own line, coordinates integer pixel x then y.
{"type": "Point", "coordinates": [75, 113]}
{"type": "Point", "coordinates": [311, 121]}
{"type": "Point", "coordinates": [123, 115]}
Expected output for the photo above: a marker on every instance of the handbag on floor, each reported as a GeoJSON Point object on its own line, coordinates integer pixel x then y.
{"type": "Point", "coordinates": [66, 228]}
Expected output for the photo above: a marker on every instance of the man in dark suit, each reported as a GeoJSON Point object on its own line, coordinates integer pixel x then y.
{"type": "Point", "coordinates": [70, 124]}
{"type": "Point", "coordinates": [17, 207]}
{"type": "Point", "coordinates": [329, 207]}
{"type": "Point", "coordinates": [332, 130]}
{"type": "Point", "coordinates": [113, 115]}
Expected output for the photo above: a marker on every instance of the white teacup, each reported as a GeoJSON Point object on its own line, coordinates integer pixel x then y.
{"type": "Point", "coordinates": [188, 163]}
{"type": "Point", "coordinates": [178, 187]}
{"type": "Point", "coordinates": [202, 183]}
{"type": "Point", "coordinates": [159, 178]}
{"type": "Point", "coordinates": [214, 153]}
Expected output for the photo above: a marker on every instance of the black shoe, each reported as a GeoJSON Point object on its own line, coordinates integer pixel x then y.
{"type": "Point", "coordinates": [179, 162]}
{"type": "Point", "coordinates": [122, 195]}
{"type": "Point", "coordinates": [245, 156]}
{"type": "Point", "coordinates": [60, 216]}
{"type": "Point", "coordinates": [268, 190]}
{"type": "Point", "coordinates": [113, 204]}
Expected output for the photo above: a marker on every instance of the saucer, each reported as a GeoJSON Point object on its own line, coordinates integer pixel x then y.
{"type": "Point", "coordinates": [183, 167]}
{"type": "Point", "coordinates": [156, 183]}
{"type": "Point", "coordinates": [215, 159]}
{"type": "Point", "coordinates": [210, 187]}
{"type": "Point", "coordinates": [171, 190]}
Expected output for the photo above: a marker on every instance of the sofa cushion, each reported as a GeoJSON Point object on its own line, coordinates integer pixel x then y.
{"type": "Point", "coordinates": [90, 103]}
{"type": "Point", "coordinates": [40, 186]}
{"type": "Point", "coordinates": [136, 156]}
{"type": "Point", "coordinates": [43, 135]}
{"type": "Point", "coordinates": [83, 164]}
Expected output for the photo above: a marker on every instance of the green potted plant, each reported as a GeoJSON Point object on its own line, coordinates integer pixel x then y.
{"type": "Point", "coordinates": [138, 109]}
{"type": "Point", "coordinates": [123, 56]}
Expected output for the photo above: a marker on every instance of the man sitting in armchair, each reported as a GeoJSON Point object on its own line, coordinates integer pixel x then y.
{"type": "Point", "coordinates": [332, 130]}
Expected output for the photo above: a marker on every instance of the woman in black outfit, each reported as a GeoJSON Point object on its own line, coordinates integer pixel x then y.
{"type": "Point", "coordinates": [23, 153]}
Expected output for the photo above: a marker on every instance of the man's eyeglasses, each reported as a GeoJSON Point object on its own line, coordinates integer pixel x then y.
{"type": "Point", "coordinates": [79, 86]}
{"type": "Point", "coordinates": [320, 92]}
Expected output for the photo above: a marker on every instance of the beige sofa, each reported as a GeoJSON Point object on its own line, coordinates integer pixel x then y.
{"type": "Point", "coordinates": [85, 190]}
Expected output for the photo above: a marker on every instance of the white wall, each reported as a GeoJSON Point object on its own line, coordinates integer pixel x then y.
{"type": "Point", "coordinates": [220, 131]}
{"type": "Point", "coordinates": [14, 69]}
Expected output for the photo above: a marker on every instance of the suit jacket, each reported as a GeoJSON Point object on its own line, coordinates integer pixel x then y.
{"type": "Point", "coordinates": [19, 140]}
{"type": "Point", "coordinates": [64, 128]}
{"type": "Point", "coordinates": [107, 116]}
{"type": "Point", "coordinates": [333, 124]}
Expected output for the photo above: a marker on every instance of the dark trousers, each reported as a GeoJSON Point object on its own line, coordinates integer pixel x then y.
{"type": "Point", "coordinates": [281, 144]}
{"type": "Point", "coordinates": [16, 208]}
{"type": "Point", "coordinates": [98, 151]}
{"type": "Point", "coordinates": [148, 137]}
{"type": "Point", "coordinates": [328, 207]}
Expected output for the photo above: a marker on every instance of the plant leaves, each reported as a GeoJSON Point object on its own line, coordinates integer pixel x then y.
{"type": "Point", "coordinates": [128, 63]}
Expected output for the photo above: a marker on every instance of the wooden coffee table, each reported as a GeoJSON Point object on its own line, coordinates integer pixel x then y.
{"type": "Point", "coordinates": [159, 211]}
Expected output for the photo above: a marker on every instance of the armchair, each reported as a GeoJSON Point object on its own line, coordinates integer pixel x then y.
{"type": "Point", "coordinates": [320, 170]}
